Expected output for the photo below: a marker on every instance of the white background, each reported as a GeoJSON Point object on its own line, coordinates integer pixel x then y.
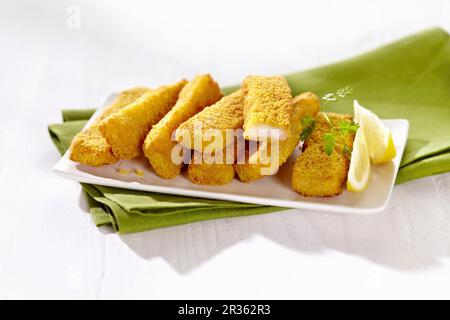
{"type": "Point", "coordinates": [49, 247]}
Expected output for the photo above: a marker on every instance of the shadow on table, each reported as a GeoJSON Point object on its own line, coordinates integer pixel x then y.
{"type": "Point", "coordinates": [407, 236]}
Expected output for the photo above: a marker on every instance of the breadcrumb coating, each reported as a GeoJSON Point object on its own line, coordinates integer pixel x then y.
{"type": "Point", "coordinates": [309, 102]}
{"type": "Point", "coordinates": [199, 93]}
{"type": "Point", "coordinates": [322, 127]}
{"type": "Point", "coordinates": [210, 174]}
{"type": "Point", "coordinates": [267, 105]}
{"type": "Point", "coordinates": [305, 104]}
{"type": "Point", "coordinates": [227, 113]}
{"type": "Point", "coordinates": [89, 146]}
{"type": "Point", "coordinates": [315, 172]}
{"type": "Point", "coordinates": [126, 129]}
{"type": "Point", "coordinates": [212, 169]}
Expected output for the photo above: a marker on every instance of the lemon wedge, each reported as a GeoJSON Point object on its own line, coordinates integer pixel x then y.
{"type": "Point", "coordinates": [378, 136]}
{"type": "Point", "coordinates": [359, 170]}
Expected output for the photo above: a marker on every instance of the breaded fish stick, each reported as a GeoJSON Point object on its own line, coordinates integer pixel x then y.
{"type": "Point", "coordinates": [305, 104]}
{"type": "Point", "coordinates": [267, 106]}
{"type": "Point", "coordinates": [213, 169]}
{"type": "Point", "coordinates": [126, 129]}
{"type": "Point", "coordinates": [211, 172]}
{"type": "Point", "coordinates": [199, 93]}
{"type": "Point", "coordinates": [214, 174]}
{"type": "Point", "coordinates": [227, 113]}
{"type": "Point", "coordinates": [89, 146]}
{"type": "Point", "coordinates": [315, 172]}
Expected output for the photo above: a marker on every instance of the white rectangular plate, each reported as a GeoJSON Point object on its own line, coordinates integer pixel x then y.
{"type": "Point", "coordinates": [272, 190]}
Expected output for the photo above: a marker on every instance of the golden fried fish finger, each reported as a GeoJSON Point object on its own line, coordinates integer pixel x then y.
{"type": "Point", "coordinates": [89, 146]}
{"type": "Point", "coordinates": [216, 174]}
{"type": "Point", "coordinates": [213, 169]}
{"type": "Point", "coordinates": [317, 173]}
{"type": "Point", "coordinates": [210, 174]}
{"type": "Point", "coordinates": [126, 129]}
{"type": "Point", "coordinates": [225, 114]}
{"type": "Point", "coordinates": [221, 117]}
{"type": "Point", "coordinates": [199, 93]}
{"type": "Point", "coordinates": [305, 104]}
{"type": "Point", "coordinates": [267, 107]}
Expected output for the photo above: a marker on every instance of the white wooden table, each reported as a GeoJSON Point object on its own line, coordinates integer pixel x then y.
{"type": "Point", "coordinates": [49, 248]}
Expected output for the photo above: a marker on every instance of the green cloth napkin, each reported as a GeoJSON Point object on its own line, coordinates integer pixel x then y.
{"type": "Point", "coordinates": [133, 211]}
{"type": "Point", "coordinates": [407, 79]}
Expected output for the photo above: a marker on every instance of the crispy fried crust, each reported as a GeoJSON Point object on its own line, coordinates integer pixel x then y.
{"type": "Point", "coordinates": [210, 174]}
{"type": "Point", "coordinates": [227, 113]}
{"type": "Point", "coordinates": [309, 102]}
{"type": "Point", "coordinates": [316, 173]}
{"type": "Point", "coordinates": [305, 104]}
{"type": "Point", "coordinates": [89, 146]}
{"type": "Point", "coordinates": [199, 93]}
{"type": "Point", "coordinates": [322, 128]}
{"type": "Point", "coordinates": [267, 105]}
{"type": "Point", "coordinates": [212, 169]}
{"type": "Point", "coordinates": [126, 129]}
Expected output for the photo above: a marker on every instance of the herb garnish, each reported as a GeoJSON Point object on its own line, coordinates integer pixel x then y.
{"type": "Point", "coordinates": [344, 127]}
{"type": "Point", "coordinates": [340, 93]}
{"type": "Point", "coordinates": [308, 124]}
{"type": "Point", "coordinates": [329, 140]}
{"type": "Point", "coordinates": [348, 127]}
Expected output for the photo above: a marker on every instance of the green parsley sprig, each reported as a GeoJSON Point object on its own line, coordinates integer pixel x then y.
{"type": "Point", "coordinates": [329, 139]}
{"type": "Point", "coordinates": [344, 127]}
{"type": "Point", "coordinates": [308, 124]}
